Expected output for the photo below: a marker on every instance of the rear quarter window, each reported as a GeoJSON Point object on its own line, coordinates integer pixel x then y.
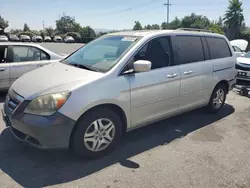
{"type": "Point", "coordinates": [218, 48]}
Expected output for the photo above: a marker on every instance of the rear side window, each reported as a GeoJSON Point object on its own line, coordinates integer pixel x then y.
{"type": "Point", "coordinates": [218, 48]}
{"type": "Point", "coordinates": [187, 49]}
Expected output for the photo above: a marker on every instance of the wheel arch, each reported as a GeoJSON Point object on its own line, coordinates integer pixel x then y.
{"type": "Point", "coordinates": [225, 83]}
{"type": "Point", "coordinates": [117, 109]}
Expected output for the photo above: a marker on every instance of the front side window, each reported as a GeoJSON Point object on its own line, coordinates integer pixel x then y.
{"type": "Point", "coordinates": [101, 54]}
{"type": "Point", "coordinates": [187, 49]}
{"type": "Point", "coordinates": [218, 48]}
{"type": "Point", "coordinates": [28, 53]}
{"type": "Point", "coordinates": [157, 52]}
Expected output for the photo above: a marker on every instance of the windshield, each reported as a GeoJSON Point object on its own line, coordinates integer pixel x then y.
{"type": "Point", "coordinates": [102, 54]}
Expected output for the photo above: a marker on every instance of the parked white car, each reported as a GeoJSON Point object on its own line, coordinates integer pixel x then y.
{"type": "Point", "coordinates": [3, 38]}
{"type": "Point", "coordinates": [116, 83]}
{"type": "Point", "coordinates": [47, 39]}
{"type": "Point", "coordinates": [17, 59]}
{"type": "Point", "coordinates": [239, 46]}
{"type": "Point", "coordinates": [58, 39]}
{"type": "Point", "coordinates": [25, 38]}
{"type": "Point", "coordinates": [37, 38]}
{"type": "Point", "coordinates": [69, 39]}
{"type": "Point", "coordinates": [243, 68]}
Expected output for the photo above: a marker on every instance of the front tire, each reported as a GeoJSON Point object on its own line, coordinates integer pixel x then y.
{"type": "Point", "coordinates": [217, 99]}
{"type": "Point", "coordinates": [97, 133]}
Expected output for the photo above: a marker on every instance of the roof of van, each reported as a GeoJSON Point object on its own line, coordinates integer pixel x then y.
{"type": "Point", "coordinates": [144, 33]}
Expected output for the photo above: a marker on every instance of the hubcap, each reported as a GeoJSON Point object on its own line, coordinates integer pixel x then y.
{"type": "Point", "coordinates": [99, 134]}
{"type": "Point", "coordinates": [218, 98]}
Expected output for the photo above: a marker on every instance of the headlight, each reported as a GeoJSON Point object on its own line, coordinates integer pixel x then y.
{"type": "Point", "coordinates": [46, 105]}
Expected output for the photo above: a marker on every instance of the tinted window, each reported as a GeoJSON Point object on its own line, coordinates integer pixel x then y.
{"type": "Point", "coordinates": [218, 48]}
{"type": "Point", "coordinates": [157, 52]}
{"type": "Point", "coordinates": [187, 49]}
{"type": "Point", "coordinates": [27, 53]}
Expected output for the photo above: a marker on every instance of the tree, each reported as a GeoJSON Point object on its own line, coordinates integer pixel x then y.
{"type": "Point", "coordinates": [234, 18]}
{"type": "Point", "coordinates": [148, 27]}
{"type": "Point", "coordinates": [217, 29]}
{"type": "Point", "coordinates": [176, 23]}
{"type": "Point", "coordinates": [3, 23]}
{"type": "Point", "coordinates": [195, 21]}
{"type": "Point", "coordinates": [155, 26]}
{"type": "Point", "coordinates": [26, 27]}
{"type": "Point", "coordinates": [49, 31]}
{"type": "Point", "coordinates": [67, 24]}
{"type": "Point", "coordinates": [87, 33]}
{"type": "Point", "coordinates": [15, 31]}
{"type": "Point", "coordinates": [137, 26]}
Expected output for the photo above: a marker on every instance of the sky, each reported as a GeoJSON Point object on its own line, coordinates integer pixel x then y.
{"type": "Point", "coordinates": [108, 14]}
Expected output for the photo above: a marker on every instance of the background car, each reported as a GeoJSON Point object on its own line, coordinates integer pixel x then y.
{"type": "Point", "coordinates": [37, 38]}
{"type": "Point", "coordinates": [25, 38]}
{"type": "Point", "coordinates": [239, 47]}
{"type": "Point", "coordinates": [243, 70]}
{"type": "Point", "coordinates": [58, 39]}
{"type": "Point", "coordinates": [69, 39]}
{"type": "Point", "coordinates": [14, 38]}
{"type": "Point", "coordinates": [17, 59]}
{"type": "Point", "coordinates": [47, 39]}
{"type": "Point", "coordinates": [3, 38]}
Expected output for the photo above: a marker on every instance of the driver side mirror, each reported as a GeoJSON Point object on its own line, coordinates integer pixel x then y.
{"type": "Point", "coordinates": [142, 66]}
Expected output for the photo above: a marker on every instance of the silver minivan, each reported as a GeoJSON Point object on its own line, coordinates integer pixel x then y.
{"type": "Point", "coordinates": [116, 83]}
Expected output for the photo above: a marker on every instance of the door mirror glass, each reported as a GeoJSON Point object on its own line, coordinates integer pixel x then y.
{"type": "Point", "coordinates": [142, 66]}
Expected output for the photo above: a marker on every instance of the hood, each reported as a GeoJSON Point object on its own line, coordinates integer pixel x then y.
{"type": "Point", "coordinates": [52, 78]}
{"type": "Point", "coordinates": [243, 60]}
{"type": "Point", "coordinates": [240, 43]}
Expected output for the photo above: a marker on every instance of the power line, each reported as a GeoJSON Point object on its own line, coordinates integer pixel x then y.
{"type": "Point", "coordinates": [167, 5]}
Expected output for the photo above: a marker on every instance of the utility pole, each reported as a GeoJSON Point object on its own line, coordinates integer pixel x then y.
{"type": "Point", "coordinates": [167, 5]}
{"type": "Point", "coordinates": [43, 25]}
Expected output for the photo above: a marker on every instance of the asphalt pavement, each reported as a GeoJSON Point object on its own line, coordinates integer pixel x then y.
{"type": "Point", "coordinates": [195, 149]}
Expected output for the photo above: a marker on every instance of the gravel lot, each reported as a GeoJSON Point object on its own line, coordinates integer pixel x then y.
{"type": "Point", "coordinates": [191, 150]}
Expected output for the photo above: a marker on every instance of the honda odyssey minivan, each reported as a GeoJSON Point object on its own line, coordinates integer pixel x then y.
{"type": "Point", "coordinates": [116, 83]}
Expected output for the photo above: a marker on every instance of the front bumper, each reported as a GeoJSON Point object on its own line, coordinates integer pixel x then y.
{"type": "Point", "coordinates": [243, 75]}
{"type": "Point", "coordinates": [47, 132]}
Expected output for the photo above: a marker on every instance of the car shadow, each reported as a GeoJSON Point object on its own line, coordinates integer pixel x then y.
{"type": "Point", "coordinates": [31, 167]}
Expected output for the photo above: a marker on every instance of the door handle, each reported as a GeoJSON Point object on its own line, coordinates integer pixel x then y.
{"type": "Point", "coordinates": [2, 69]}
{"type": "Point", "coordinates": [188, 72]}
{"type": "Point", "coordinates": [39, 65]}
{"type": "Point", "coordinates": [171, 75]}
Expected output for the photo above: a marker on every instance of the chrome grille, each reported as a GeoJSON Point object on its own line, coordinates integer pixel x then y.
{"type": "Point", "coordinates": [13, 100]}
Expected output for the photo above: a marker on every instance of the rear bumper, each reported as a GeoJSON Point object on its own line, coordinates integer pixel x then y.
{"type": "Point", "coordinates": [46, 132]}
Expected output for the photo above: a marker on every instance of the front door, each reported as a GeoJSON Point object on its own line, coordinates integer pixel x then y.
{"type": "Point", "coordinates": [4, 68]}
{"type": "Point", "coordinates": [26, 59]}
{"type": "Point", "coordinates": [154, 94]}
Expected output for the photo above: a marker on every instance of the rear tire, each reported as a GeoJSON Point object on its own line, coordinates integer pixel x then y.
{"type": "Point", "coordinates": [97, 133]}
{"type": "Point", "coordinates": [217, 99]}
